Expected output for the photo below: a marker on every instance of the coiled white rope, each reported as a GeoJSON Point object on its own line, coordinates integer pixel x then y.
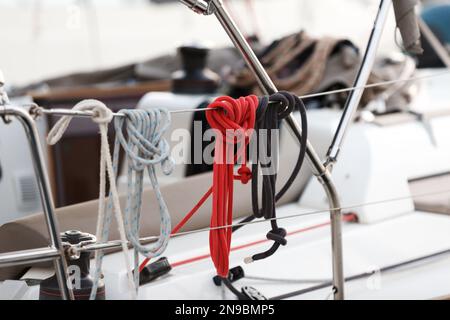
{"type": "Point", "coordinates": [144, 148]}
{"type": "Point", "coordinates": [102, 116]}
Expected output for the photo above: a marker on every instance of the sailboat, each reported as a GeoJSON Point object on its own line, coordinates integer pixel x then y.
{"type": "Point", "coordinates": [367, 220]}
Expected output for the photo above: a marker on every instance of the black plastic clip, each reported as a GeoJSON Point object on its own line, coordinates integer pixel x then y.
{"type": "Point", "coordinates": [234, 275]}
{"type": "Point", "coordinates": [154, 270]}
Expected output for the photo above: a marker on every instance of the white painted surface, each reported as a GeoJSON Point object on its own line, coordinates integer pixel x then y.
{"type": "Point", "coordinates": [308, 256]}
{"type": "Point", "coordinates": [376, 162]}
{"type": "Point", "coordinates": [15, 159]}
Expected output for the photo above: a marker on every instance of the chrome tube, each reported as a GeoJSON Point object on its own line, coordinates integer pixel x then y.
{"type": "Point", "coordinates": [354, 97]}
{"type": "Point", "coordinates": [45, 194]}
{"type": "Point", "coordinates": [317, 167]}
{"type": "Point", "coordinates": [28, 256]}
{"type": "Point", "coordinates": [198, 6]}
{"type": "Point", "coordinates": [113, 244]}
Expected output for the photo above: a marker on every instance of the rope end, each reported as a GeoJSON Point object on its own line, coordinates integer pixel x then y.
{"type": "Point", "coordinates": [248, 260]}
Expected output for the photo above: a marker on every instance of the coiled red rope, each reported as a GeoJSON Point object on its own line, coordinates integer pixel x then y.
{"type": "Point", "coordinates": [234, 122]}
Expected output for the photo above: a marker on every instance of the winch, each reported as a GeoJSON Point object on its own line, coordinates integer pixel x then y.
{"type": "Point", "coordinates": [78, 269]}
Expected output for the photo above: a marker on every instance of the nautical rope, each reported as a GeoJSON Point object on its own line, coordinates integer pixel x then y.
{"type": "Point", "coordinates": [268, 123]}
{"type": "Point", "coordinates": [144, 148]}
{"type": "Point", "coordinates": [233, 120]}
{"type": "Point", "coordinates": [102, 116]}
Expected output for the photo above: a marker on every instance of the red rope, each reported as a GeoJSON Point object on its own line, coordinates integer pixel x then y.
{"type": "Point", "coordinates": [234, 121]}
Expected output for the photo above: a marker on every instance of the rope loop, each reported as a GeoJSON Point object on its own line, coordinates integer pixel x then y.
{"type": "Point", "coordinates": [234, 121]}
{"type": "Point", "coordinates": [287, 102]}
{"type": "Point", "coordinates": [145, 145]}
{"type": "Point", "coordinates": [233, 116]}
{"type": "Point", "coordinates": [268, 119]}
{"type": "Point", "coordinates": [101, 115]}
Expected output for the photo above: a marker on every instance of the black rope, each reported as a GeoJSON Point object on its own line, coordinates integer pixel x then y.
{"type": "Point", "coordinates": [236, 292]}
{"type": "Point", "coordinates": [268, 120]}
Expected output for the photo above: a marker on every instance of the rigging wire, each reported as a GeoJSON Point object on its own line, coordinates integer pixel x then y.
{"type": "Point", "coordinates": [316, 212]}
{"type": "Point", "coordinates": [348, 208]}
{"type": "Point", "coordinates": [38, 110]}
{"type": "Point", "coordinates": [376, 84]}
{"type": "Point", "coordinates": [346, 218]}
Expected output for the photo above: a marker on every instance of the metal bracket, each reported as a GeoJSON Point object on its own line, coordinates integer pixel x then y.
{"type": "Point", "coordinates": [199, 6]}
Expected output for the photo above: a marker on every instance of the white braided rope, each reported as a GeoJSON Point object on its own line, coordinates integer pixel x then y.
{"type": "Point", "coordinates": [102, 116]}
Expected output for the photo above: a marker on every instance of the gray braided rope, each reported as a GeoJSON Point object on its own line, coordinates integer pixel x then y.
{"type": "Point", "coordinates": [144, 148]}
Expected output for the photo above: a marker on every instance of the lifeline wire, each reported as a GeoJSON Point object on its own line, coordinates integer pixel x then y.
{"type": "Point", "coordinates": [103, 116]}
{"type": "Point", "coordinates": [145, 148]}
{"type": "Point", "coordinates": [176, 233]}
{"type": "Point", "coordinates": [37, 111]}
{"type": "Point", "coordinates": [307, 213]}
{"type": "Point", "coordinates": [373, 85]}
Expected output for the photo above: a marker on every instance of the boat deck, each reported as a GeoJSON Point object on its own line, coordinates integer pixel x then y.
{"type": "Point", "coordinates": [307, 257]}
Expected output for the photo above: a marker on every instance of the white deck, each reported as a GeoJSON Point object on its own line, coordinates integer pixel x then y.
{"type": "Point", "coordinates": [308, 256]}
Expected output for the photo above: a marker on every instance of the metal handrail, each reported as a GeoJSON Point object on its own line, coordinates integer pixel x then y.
{"type": "Point", "coordinates": [364, 71]}
{"type": "Point", "coordinates": [56, 249]}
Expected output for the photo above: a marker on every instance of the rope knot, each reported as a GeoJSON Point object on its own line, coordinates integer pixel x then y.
{"type": "Point", "coordinates": [232, 117]}
{"type": "Point", "coordinates": [287, 102]}
{"type": "Point", "coordinates": [277, 236]}
{"type": "Point", "coordinates": [244, 174]}
{"type": "Point", "coordinates": [102, 115]}
{"type": "Point", "coordinates": [234, 121]}
{"type": "Point", "coordinates": [146, 146]}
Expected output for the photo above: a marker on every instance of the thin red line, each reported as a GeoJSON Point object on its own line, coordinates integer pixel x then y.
{"type": "Point", "coordinates": [347, 218]}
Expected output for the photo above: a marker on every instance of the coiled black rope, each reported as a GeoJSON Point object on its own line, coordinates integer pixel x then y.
{"type": "Point", "coordinates": [268, 121]}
